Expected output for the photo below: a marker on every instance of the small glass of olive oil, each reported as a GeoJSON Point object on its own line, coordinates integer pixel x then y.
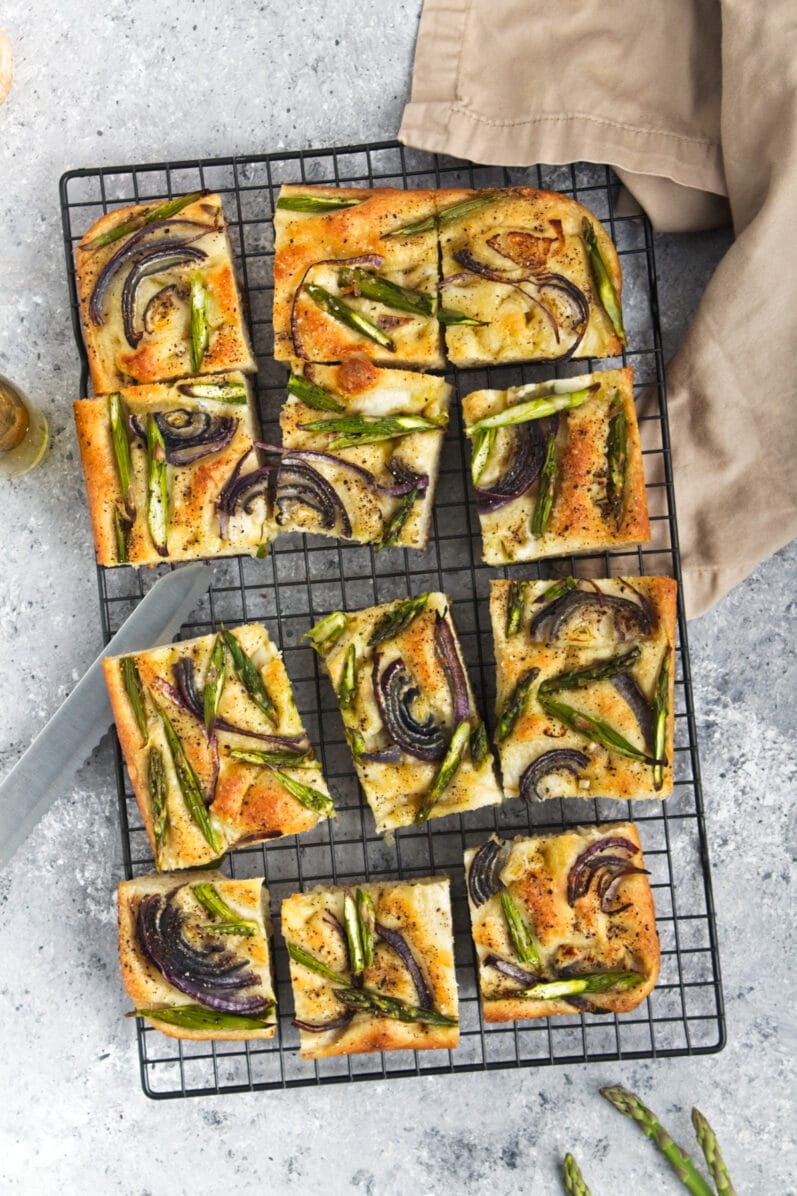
{"type": "Point", "coordinates": [23, 432]}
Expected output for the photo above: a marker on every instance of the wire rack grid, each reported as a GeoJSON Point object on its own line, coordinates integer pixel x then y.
{"type": "Point", "coordinates": [304, 577]}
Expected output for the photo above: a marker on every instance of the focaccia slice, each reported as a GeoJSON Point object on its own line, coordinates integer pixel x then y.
{"type": "Point", "coordinates": [195, 955]}
{"type": "Point", "coordinates": [214, 745]}
{"type": "Point", "coordinates": [358, 469]}
{"type": "Point", "coordinates": [562, 923]}
{"type": "Point", "coordinates": [158, 297]}
{"type": "Point", "coordinates": [418, 741]}
{"type": "Point", "coordinates": [585, 687]}
{"type": "Point", "coordinates": [345, 284]}
{"type": "Point", "coordinates": [518, 262]}
{"type": "Point", "coordinates": [195, 503]}
{"type": "Point", "coordinates": [372, 968]}
{"type": "Point", "coordinates": [557, 467]}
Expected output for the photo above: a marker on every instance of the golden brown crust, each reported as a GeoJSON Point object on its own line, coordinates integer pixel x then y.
{"type": "Point", "coordinates": [304, 242]}
{"type": "Point", "coordinates": [580, 519]}
{"type": "Point", "coordinates": [571, 940]}
{"type": "Point", "coordinates": [165, 351]}
{"type": "Point", "coordinates": [249, 802]}
{"type": "Point", "coordinates": [421, 911]}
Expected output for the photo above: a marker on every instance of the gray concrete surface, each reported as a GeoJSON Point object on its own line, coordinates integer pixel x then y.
{"type": "Point", "coordinates": [117, 82]}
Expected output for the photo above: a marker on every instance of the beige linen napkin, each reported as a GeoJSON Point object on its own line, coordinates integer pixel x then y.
{"type": "Point", "coordinates": [694, 104]}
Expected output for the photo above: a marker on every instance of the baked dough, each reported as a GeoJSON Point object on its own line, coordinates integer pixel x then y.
{"type": "Point", "coordinates": [164, 348]}
{"type": "Point", "coordinates": [638, 614]}
{"type": "Point", "coordinates": [194, 529]}
{"type": "Point", "coordinates": [534, 239]}
{"type": "Point", "coordinates": [420, 910]}
{"type": "Point", "coordinates": [571, 939]}
{"type": "Point", "coordinates": [581, 519]}
{"type": "Point", "coordinates": [396, 791]}
{"type": "Point", "coordinates": [312, 247]}
{"type": "Point", "coordinates": [361, 388]}
{"type": "Point", "coordinates": [248, 801]}
{"type": "Point", "coordinates": [146, 985]}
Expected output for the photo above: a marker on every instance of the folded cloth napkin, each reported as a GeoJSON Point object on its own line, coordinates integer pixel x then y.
{"type": "Point", "coordinates": [694, 103]}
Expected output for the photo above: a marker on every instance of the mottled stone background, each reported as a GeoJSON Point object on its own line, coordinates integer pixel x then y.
{"type": "Point", "coordinates": [120, 82]}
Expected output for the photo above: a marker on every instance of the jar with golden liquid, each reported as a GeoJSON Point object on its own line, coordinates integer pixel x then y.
{"type": "Point", "coordinates": [23, 432]}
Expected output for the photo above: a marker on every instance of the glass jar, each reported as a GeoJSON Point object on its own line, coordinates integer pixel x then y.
{"type": "Point", "coordinates": [23, 432]}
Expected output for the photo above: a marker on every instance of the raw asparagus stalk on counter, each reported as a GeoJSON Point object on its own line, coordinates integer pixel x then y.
{"type": "Point", "coordinates": [711, 1151]}
{"type": "Point", "coordinates": [574, 1180]}
{"type": "Point", "coordinates": [631, 1106]}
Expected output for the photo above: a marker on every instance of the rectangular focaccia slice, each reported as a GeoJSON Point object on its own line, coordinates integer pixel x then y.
{"type": "Point", "coordinates": [158, 297]}
{"type": "Point", "coordinates": [345, 284]}
{"type": "Point", "coordinates": [562, 923]}
{"type": "Point", "coordinates": [557, 467]}
{"type": "Point", "coordinates": [202, 451]}
{"type": "Point", "coordinates": [374, 436]}
{"type": "Point", "coordinates": [177, 935]}
{"type": "Point", "coordinates": [372, 968]}
{"type": "Point", "coordinates": [518, 262]}
{"type": "Point", "coordinates": [585, 687]}
{"type": "Point", "coordinates": [419, 745]}
{"type": "Point", "coordinates": [252, 776]}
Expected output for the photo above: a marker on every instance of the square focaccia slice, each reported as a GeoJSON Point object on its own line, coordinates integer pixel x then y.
{"type": "Point", "coordinates": [562, 923]}
{"type": "Point", "coordinates": [347, 281]}
{"type": "Point", "coordinates": [372, 968]}
{"type": "Point", "coordinates": [585, 687]}
{"type": "Point", "coordinates": [214, 745]}
{"type": "Point", "coordinates": [419, 745]}
{"type": "Point", "coordinates": [364, 452]}
{"type": "Point", "coordinates": [557, 467]}
{"type": "Point", "coordinates": [536, 273]}
{"type": "Point", "coordinates": [195, 955]}
{"type": "Point", "coordinates": [167, 468]}
{"type": "Point", "coordinates": [158, 296]}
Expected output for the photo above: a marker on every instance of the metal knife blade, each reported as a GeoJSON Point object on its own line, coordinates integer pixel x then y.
{"type": "Point", "coordinates": [46, 769]}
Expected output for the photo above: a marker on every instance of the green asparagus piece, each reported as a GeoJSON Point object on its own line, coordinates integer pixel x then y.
{"type": "Point", "coordinates": [394, 620]}
{"type": "Point", "coordinates": [363, 1000]}
{"type": "Point", "coordinates": [200, 329]}
{"type": "Point", "coordinates": [347, 316]}
{"type": "Point", "coordinates": [274, 759]}
{"type": "Point", "coordinates": [445, 773]}
{"type": "Point", "coordinates": [606, 292]}
{"type": "Point", "coordinates": [221, 392]}
{"type": "Point", "coordinates": [515, 604]}
{"type": "Point", "coordinates": [603, 669]}
{"type": "Point", "coordinates": [197, 1017]}
{"type": "Point", "coordinates": [382, 290]}
{"type": "Point", "coordinates": [457, 211]}
{"type": "Point", "coordinates": [230, 923]}
{"type": "Point", "coordinates": [598, 982]}
{"type": "Point", "coordinates": [593, 728]}
{"type": "Point", "coordinates": [369, 429]}
{"type": "Point", "coordinates": [317, 203]}
{"type": "Point", "coordinates": [711, 1151]}
{"type": "Point", "coordinates": [326, 631]}
{"type": "Point", "coordinates": [121, 530]}
{"type": "Point", "coordinates": [540, 408]}
{"type": "Point", "coordinates": [483, 443]}
{"type": "Point", "coordinates": [397, 521]}
{"type": "Point", "coordinates": [522, 942]}
{"type": "Point", "coordinates": [479, 743]}
{"type": "Point", "coordinates": [546, 487]}
{"type": "Point", "coordinates": [189, 785]}
{"type": "Point", "coordinates": [574, 1180]}
{"type": "Point", "coordinates": [157, 488]}
{"type": "Point", "coordinates": [156, 784]}
{"type": "Point", "coordinates": [135, 693]}
{"type": "Point", "coordinates": [313, 395]}
{"type": "Point", "coordinates": [616, 459]}
{"type": "Point", "coordinates": [514, 704]}
{"type": "Point", "coordinates": [249, 676]}
{"type": "Point", "coordinates": [161, 211]}
{"type": "Point", "coordinates": [631, 1106]}
{"type": "Point", "coordinates": [299, 955]}
{"type": "Point", "coordinates": [351, 924]}
{"type": "Point", "coordinates": [314, 799]}
{"type": "Point", "coordinates": [366, 913]}
{"type": "Point", "coordinates": [558, 589]}
{"type": "Point", "coordinates": [121, 451]}
{"type": "Point", "coordinates": [660, 702]}
{"type": "Point", "coordinates": [214, 684]}
{"type": "Point", "coordinates": [348, 681]}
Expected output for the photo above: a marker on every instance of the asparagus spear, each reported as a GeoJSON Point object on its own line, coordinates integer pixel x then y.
{"type": "Point", "coordinates": [540, 408]}
{"type": "Point", "coordinates": [249, 676]}
{"type": "Point", "coordinates": [445, 773]}
{"type": "Point", "coordinates": [121, 530]}
{"type": "Point", "coordinates": [363, 1000]}
{"type": "Point", "coordinates": [574, 1180]}
{"type": "Point", "coordinates": [313, 395]}
{"type": "Point", "coordinates": [606, 292]}
{"type": "Point", "coordinates": [347, 316]}
{"type": "Point", "coordinates": [314, 799]}
{"type": "Point", "coordinates": [449, 215]}
{"type": "Point", "coordinates": [157, 488]}
{"type": "Point", "coordinates": [354, 941]}
{"type": "Point", "coordinates": [315, 965]}
{"type": "Point", "coordinates": [660, 701]}
{"type": "Point", "coordinates": [274, 759]}
{"type": "Point", "coordinates": [631, 1106]}
{"type": "Point", "coordinates": [156, 785]}
{"type": "Point", "coordinates": [394, 620]}
{"type": "Point", "coordinates": [396, 522]}
{"type": "Point", "coordinates": [135, 693]}
{"type": "Point", "coordinates": [161, 211]}
{"type": "Point", "coordinates": [214, 684]}
{"type": "Point", "coordinates": [712, 1154]}
{"type": "Point", "coordinates": [598, 982]}
{"type": "Point", "coordinates": [326, 631]}
{"type": "Point", "coordinates": [514, 704]}
{"type": "Point", "coordinates": [381, 290]}
{"type": "Point", "coordinates": [593, 728]}
{"type": "Point", "coordinates": [365, 429]}
{"type": "Point", "coordinates": [479, 743]}
{"type": "Point", "coordinates": [366, 913]}
{"type": "Point", "coordinates": [200, 329]}
{"type": "Point", "coordinates": [117, 417]}
{"type": "Point", "coordinates": [220, 392]}
{"type": "Point", "coordinates": [316, 203]}
{"type": "Point", "coordinates": [578, 678]}
{"type": "Point", "coordinates": [348, 681]}
{"type": "Point", "coordinates": [189, 785]}
{"type": "Point", "coordinates": [558, 589]}
{"type": "Point", "coordinates": [543, 504]}
{"type": "Point", "coordinates": [230, 923]}
{"type": "Point", "coordinates": [483, 443]}
{"type": "Point", "coordinates": [616, 459]}
{"type": "Point", "coordinates": [515, 603]}
{"type": "Point", "coordinates": [522, 942]}
{"type": "Point", "coordinates": [197, 1017]}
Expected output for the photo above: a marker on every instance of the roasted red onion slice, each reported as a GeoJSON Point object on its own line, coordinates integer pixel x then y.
{"type": "Point", "coordinates": [404, 484]}
{"type": "Point", "coordinates": [628, 689]}
{"type": "Point", "coordinates": [159, 257]}
{"type": "Point", "coordinates": [530, 442]}
{"type": "Point", "coordinates": [185, 677]}
{"type": "Point", "coordinates": [484, 874]}
{"type": "Point", "coordinates": [395, 691]}
{"type": "Point", "coordinates": [190, 435]}
{"type": "Point", "coordinates": [609, 883]}
{"type": "Point", "coordinates": [628, 618]}
{"type": "Point", "coordinates": [298, 482]}
{"type": "Point", "coordinates": [368, 259]}
{"type": "Point", "coordinates": [446, 649]}
{"type": "Point", "coordinates": [388, 755]}
{"type": "Point", "coordinates": [513, 970]}
{"type": "Point", "coordinates": [557, 760]}
{"type": "Point", "coordinates": [203, 968]}
{"type": "Point", "coordinates": [580, 875]}
{"type": "Point", "coordinates": [161, 300]}
{"type": "Point", "coordinates": [335, 1023]}
{"type": "Point", "coordinates": [241, 490]}
{"type": "Point", "coordinates": [396, 940]}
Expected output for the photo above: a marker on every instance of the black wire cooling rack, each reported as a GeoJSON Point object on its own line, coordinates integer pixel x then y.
{"type": "Point", "coordinates": [307, 576]}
